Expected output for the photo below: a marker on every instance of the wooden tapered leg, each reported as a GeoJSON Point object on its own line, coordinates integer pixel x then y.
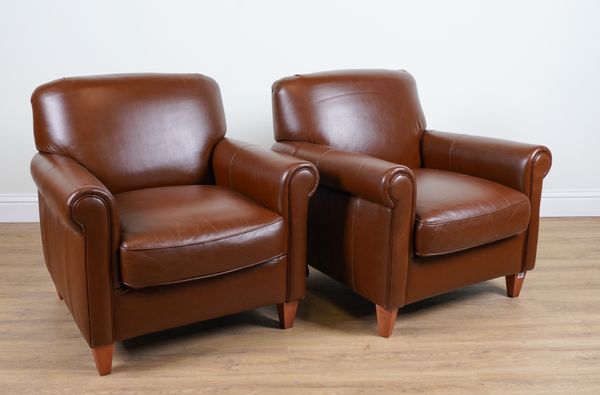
{"type": "Point", "coordinates": [287, 314]}
{"type": "Point", "coordinates": [103, 357]}
{"type": "Point", "coordinates": [514, 283]}
{"type": "Point", "coordinates": [385, 320]}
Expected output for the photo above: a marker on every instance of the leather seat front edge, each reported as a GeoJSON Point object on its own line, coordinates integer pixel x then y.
{"type": "Point", "coordinates": [455, 212]}
{"type": "Point", "coordinates": [182, 233]}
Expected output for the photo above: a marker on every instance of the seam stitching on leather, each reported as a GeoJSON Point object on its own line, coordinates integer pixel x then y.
{"type": "Point", "coordinates": [323, 155]}
{"type": "Point", "coordinates": [289, 230]}
{"type": "Point", "coordinates": [288, 274]}
{"type": "Point", "coordinates": [390, 260]}
{"type": "Point", "coordinates": [233, 156]}
{"type": "Point", "coordinates": [400, 173]}
{"type": "Point", "coordinates": [295, 149]}
{"type": "Point", "coordinates": [184, 280]}
{"type": "Point", "coordinates": [288, 279]}
{"type": "Point", "coordinates": [125, 250]}
{"type": "Point", "coordinates": [353, 243]}
{"type": "Point", "coordinates": [316, 176]}
{"type": "Point", "coordinates": [87, 291]}
{"type": "Point", "coordinates": [45, 175]}
{"type": "Point", "coordinates": [44, 180]}
{"type": "Point", "coordinates": [526, 241]}
{"type": "Point", "coordinates": [469, 246]}
{"type": "Point", "coordinates": [426, 223]}
{"type": "Point", "coordinates": [388, 290]}
{"type": "Point", "coordinates": [454, 141]}
{"type": "Point", "coordinates": [293, 139]}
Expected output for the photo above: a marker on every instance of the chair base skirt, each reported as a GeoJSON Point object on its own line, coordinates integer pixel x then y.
{"type": "Point", "coordinates": [137, 312]}
{"type": "Point", "coordinates": [433, 276]}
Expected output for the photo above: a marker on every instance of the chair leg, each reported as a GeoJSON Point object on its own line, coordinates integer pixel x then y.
{"type": "Point", "coordinates": [514, 283]}
{"type": "Point", "coordinates": [287, 314]}
{"type": "Point", "coordinates": [103, 358]}
{"type": "Point", "coordinates": [386, 318]}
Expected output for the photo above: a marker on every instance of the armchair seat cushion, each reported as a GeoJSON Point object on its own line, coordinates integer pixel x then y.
{"type": "Point", "coordinates": [181, 233]}
{"type": "Point", "coordinates": [455, 212]}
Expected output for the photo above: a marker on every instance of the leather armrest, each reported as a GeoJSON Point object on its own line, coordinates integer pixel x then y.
{"type": "Point", "coordinates": [516, 165]}
{"type": "Point", "coordinates": [260, 173]}
{"type": "Point", "coordinates": [80, 205]}
{"type": "Point", "coordinates": [505, 162]}
{"type": "Point", "coordinates": [279, 182]}
{"type": "Point", "coordinates": [65, 184]}
{"type": "Point", "coordinates": [374, 179]}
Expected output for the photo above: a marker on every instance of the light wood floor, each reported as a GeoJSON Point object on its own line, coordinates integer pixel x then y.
{"type": "Point", "coordinates": [474, 340]}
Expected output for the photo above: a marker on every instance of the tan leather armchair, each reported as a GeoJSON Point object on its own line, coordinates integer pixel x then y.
{"type": "Point", "coordinates": [151, 218]}
{"type": "Point", "coordinates": [403, 213]}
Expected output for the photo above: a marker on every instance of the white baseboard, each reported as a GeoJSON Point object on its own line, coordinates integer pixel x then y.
{"type": "Point", "coordinates": [555, 203]}
{"type": "Point", "coordinates": [571, 203]}
{"type": "Point", "coordinates": [19, 208]}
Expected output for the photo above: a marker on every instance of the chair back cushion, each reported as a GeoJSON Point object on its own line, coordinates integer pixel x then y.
{"type": "Point", "coordinates": [132, 131]}
{"type": "Point", "coordinates": [374, 112]}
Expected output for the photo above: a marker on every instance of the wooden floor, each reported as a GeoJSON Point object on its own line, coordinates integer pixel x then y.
{"type": "Point", "coordinates": [474, 340]}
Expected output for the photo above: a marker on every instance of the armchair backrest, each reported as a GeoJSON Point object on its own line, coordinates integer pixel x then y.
{"type": "Point", "coordinates": [374, 112]}
{"type": "Point", "coordinates": [132, 131]}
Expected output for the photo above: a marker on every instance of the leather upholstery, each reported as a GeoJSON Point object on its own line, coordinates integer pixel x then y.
{"type": "Point", "coordinates": [350, 234]}
{"type": "Point", "coordinates": [280, 183]}
{"type": "Point", "coordinates": [374, 112]}
{"type": "Point", "coordinates": [69, 263]}
{"type": "Point", "coordinates": [360, 243]}
{"type": "Point", "coordinates": [194, 301]}
{"type": "Point", "coordinates": [505, 162]}
{"type": "Point", "coordinates": [175, 234]}
{"type": "Point", "coordinates": [150, 219]}
{"type": "Point", "coordinates": [434, 275]}
{"type": "Point", "coordinates": [517, 165]}
{"type": "Point", "coordinates": [67, 183]}
{"type": "Point", "coordinates": [362, 175]}
{"type": "Point", "coordinates": [132, 131]}
{"type": "Point", "coordinates": [470, 212]}
{"type": "Point", "coordinates": [80, 233]}
{"type": "Point", "coordinates": [403, 213]}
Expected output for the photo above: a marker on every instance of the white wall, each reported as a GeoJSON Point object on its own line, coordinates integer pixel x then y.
{"type": "Point", "coordinates": [524, 70]}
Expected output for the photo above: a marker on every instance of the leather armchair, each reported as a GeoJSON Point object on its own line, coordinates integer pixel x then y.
{"type": "Point", "coordinates": [151, 218]}
{"type": "Point", "coordinates": [403, 213]}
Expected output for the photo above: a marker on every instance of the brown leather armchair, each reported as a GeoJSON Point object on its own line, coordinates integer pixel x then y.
{"type": "Point", "coordinates": [151, 219]}
{"type": "Point", "coordinates": [403, 213]}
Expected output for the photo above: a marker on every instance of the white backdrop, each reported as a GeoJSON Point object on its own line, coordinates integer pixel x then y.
{"type": "Point", "coordinates": [524, 70]}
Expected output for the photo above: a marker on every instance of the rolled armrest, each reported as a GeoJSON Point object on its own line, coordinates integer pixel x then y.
{"type": "Point", "coordinates": [374, 179]}
{"type": "Point", "coordinates": [516, 165]}
{"type": "Point", "coordinates": [505, 162]}
{"type": "Point", "coordinates": [279, 182]}
{"type": "Point", "coordinates": [260, 173]}
{"type": "Point", "coordinates": [64, 184]}
{"type": "Point", "coordinates": [79, 204]}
